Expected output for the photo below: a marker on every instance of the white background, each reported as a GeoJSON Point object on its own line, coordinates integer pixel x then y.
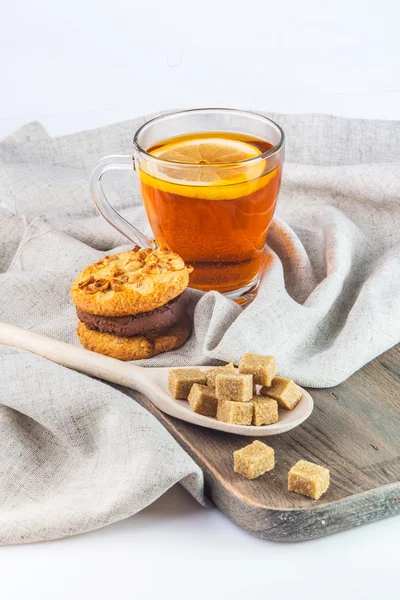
{"type": "Point", "coordinates": [77, 65]}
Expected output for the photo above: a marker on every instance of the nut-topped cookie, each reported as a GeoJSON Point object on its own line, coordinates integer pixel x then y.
{"type": "Point", "coordinates": [133, 305]}
{"type": "Point", "coordinates": [129, 283]}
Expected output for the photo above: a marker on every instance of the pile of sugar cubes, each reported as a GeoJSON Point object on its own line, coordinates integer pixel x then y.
{"type": "Point", "coordinates": [230, 394]}
{"type": "Point", "coordinates": [249, 395]}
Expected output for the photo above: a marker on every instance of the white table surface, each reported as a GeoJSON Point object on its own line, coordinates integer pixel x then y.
{"type": "Point", "coordinates": [77, 65]}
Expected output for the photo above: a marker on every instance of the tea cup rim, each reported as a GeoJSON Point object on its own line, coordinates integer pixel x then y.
{"type": "Point", "coordinates": [267, 154]}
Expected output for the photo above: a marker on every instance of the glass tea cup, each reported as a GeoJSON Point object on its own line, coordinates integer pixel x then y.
{"type": "Point", "coordinates": [209, 180]}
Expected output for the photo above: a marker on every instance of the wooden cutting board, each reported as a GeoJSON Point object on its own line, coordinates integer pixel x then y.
{"type": "Point", "coordinates": [354, 431]}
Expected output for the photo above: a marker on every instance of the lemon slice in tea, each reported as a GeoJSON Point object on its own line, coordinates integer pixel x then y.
{"type": "Point", "coordinates": [204, 166]}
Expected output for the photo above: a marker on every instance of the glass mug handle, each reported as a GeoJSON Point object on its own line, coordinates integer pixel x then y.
{"type": "Point", "coordinates": [115, 163]}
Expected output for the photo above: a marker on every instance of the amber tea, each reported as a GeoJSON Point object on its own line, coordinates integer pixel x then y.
{"type": "Point", "coordinates": [209, 192]}
{"type": "Point", "coordinates": [211, 199]}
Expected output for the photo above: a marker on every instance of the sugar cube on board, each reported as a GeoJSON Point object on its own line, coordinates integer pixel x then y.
{"type": "Point", "coordinates": [308, 479]}
{"type": "Point", "coordinates": [254, 460]}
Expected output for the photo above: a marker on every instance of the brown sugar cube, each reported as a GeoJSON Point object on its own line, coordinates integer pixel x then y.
{"type": "Point", "coordinates": [308, 479]}
{"type": "Point", "coordinates": [202, 400]}
{"type": "Point", "coordinates": [234, 387]}
{"type": "Point", "coordinates": [263, 368]}
{"type": "Point", "coordinates": [212, 373]}
{"type": "Point", "coordinates": [284, 391]}
{"type": "Point", "coordinates": [237, 413]}
{"type": "Point", "coordinates": [253, 460]}
{"type": "Point", "coordinates": [180, 381]}
{"type": "Point", "coordinates": [265, 411]}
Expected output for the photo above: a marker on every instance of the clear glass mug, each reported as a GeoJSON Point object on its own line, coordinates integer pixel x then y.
{"type": "Point", "coordinates": [214, 212]}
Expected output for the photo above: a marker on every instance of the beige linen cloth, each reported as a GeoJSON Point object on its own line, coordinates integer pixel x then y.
{"type": "Point", "coordinates": [77, 453]}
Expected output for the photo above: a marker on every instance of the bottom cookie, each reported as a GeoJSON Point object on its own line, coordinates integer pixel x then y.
{"type": "Point", "coordinates": [138, 346]}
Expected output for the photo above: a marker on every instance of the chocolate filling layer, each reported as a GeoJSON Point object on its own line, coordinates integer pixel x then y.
{"type": "Point", "coordinates": [159, 318]}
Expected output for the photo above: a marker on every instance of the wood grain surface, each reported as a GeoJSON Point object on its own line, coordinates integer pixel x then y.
{"type": "Point", "coordinates": [354, 431]}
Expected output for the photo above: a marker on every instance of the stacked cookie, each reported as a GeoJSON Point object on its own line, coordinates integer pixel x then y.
{"type": "Point", "coordinates": [133, 305]}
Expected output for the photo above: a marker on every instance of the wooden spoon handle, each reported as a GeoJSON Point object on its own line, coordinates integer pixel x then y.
{"type": "Point", "coordinates": [75, 358]}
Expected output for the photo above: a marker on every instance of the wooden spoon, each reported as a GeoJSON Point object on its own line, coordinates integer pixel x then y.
{"type": "Point", "coordinates": [150, 381]}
